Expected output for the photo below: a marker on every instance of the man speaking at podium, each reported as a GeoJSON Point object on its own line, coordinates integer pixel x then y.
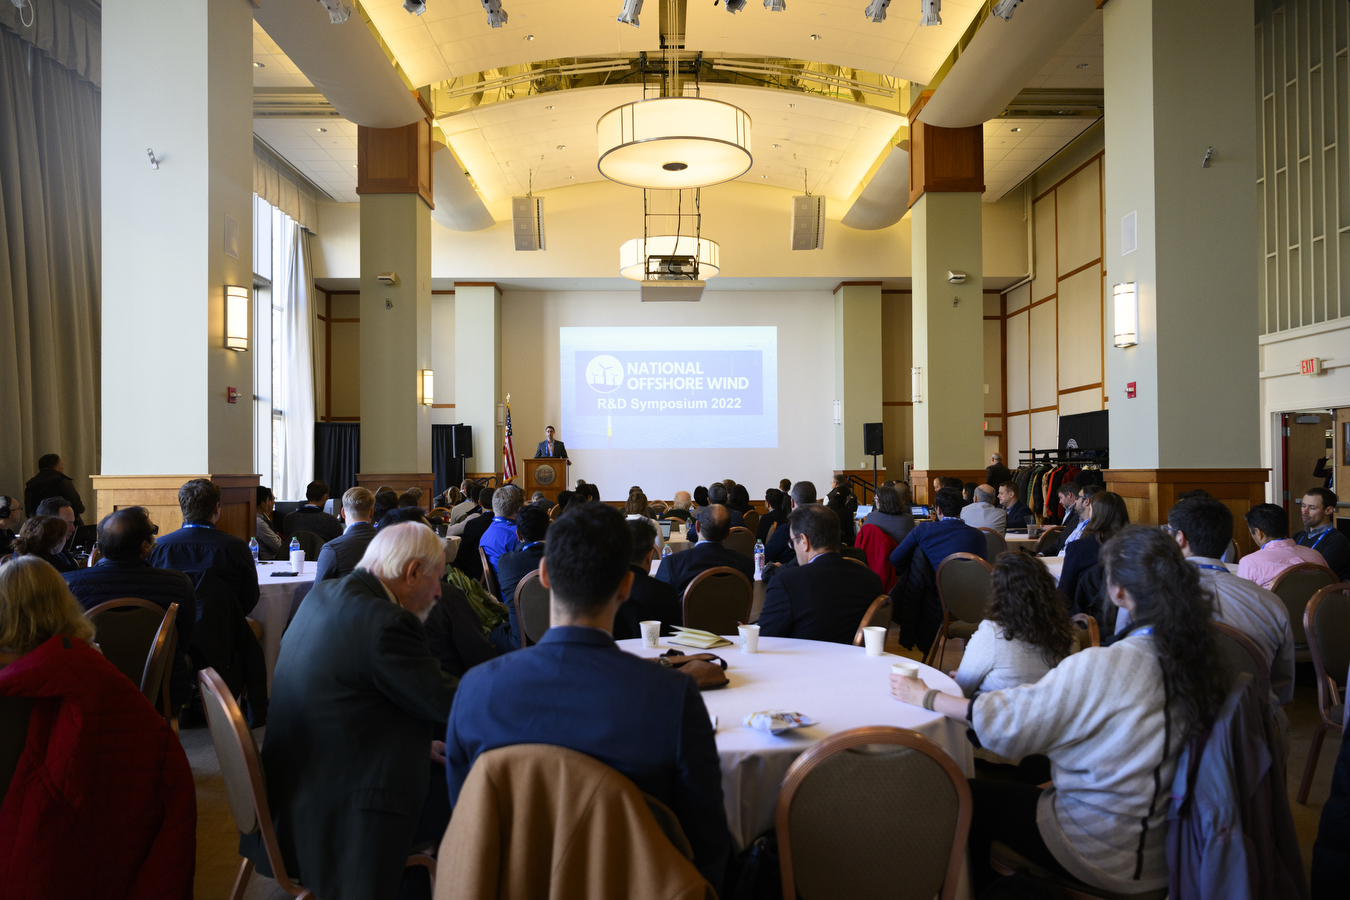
{"type": "Point", "coordinates": [549, 448]}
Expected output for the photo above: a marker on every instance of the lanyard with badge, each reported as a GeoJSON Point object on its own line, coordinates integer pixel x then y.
{"type": "Point", "coordinates": [1313, 545]}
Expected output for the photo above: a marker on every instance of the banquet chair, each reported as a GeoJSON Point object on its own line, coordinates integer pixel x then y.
{"type": "Point", "coordinates": [1327, 624]}
{"type": "Point", "coordinates": [879, 613]}
{"type": "Point", "coordinates": [1295, 586]}
{"type": "Point", "coordinates": [1243, 656]}
{"type": "Point", "coordinates": [752, 522]}
{"type": "Point", "coordinates": [742, 540]}
{"type": "Point", "coordinates": [965, 585]}
{"type": "Point", "coordinates": [1048, 537]}
{"type": "Point", "coordinates": [770, 533]}
{"type": "Point", "coordinates": [310, 542]}
{"type": "Point", "coordinates": [532, 608]}
{"type": "Point", "coordinates": [994, 544]}
{"type": "Point", "coordinates": [246, 787]}
{"type": "Point", "coordinates": [489, 576]}
{"type": "Point", "coordinates": [718, 600]}
{"type": "Point", "coordinates": [1089, 634]}
{"type": "Point", "coordinates": [849, 802]}
{"type": "Point", "coordinates": [139, 638]}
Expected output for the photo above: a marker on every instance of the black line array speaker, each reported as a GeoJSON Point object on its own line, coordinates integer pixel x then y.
{"type": "Point", "coordinates": [461, 441]}
{"type": "Point", "coordinates": [872, 439]}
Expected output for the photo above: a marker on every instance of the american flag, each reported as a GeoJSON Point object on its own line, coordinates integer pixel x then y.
{"type": "Point", "coordinates": [507, 449]}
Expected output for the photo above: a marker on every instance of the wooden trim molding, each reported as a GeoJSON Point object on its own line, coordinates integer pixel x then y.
{"type": "Point", "coordinates": [1083, 268]}
{"type": "Point", "coordinates": [855, 284]}
{"type": "Point", "coordinates": [159, 495]}
{"type": "Point", "coordinates": [442, 406]}
{"type": "Point", "coordinates": [400, 481]}
{"type": "Point", "coordinates": [1027, 412]}
{"type": "Point", "coordinates": [897, 402]}
{"type": "Point", "coordinates": [491, 284]}
{"type": "Point", "coordinates": [1083, 387]}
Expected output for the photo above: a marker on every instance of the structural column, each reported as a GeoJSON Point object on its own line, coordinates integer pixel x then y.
{"type": "Point", "coordinates": [857, 372]}
{"type": "Point", "coordinates": [946, 182]}
{"type": "Point", "coordinates": [394, 181]}
{"type": "Point", "coordinates": [177, 403]}
{"type": "Point", "coordinates": [478, 372]}
{"type": "Point", "coordinates": [1181, 240]}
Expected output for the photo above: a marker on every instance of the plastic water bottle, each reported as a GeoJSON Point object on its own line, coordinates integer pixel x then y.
{"type": "Point", "coordinates": [666, 551]}
{"type": "Point", "coordinates": [297, 557]}
{"type": "Point", "coordinates": [253, 548]}
{"type": "Point", "coordinates": [759, 557]}
{"type": "Point", "coordinates": [295, 544]}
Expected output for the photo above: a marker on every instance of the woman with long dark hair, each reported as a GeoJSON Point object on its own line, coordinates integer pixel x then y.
{"type": "Point", "coordinates": [1026, 634]}
{"type": "Point", "coordinates": [891, 513]}
{"type": "Point", "coordinates": [1113, 721]}
{"type": "Point", "coordinates": [1108, 517]}
{"type": "Point", "coordinates": [45, 538]}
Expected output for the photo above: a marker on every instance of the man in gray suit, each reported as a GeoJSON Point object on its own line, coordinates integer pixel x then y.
{"type": "Point", "coordinates": [353, 776]}
{"type": "Point", "coordinates": [339, 556]}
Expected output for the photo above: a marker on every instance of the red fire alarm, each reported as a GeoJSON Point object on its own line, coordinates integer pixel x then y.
{"type": "Point", "coordinates": [233, 395]}
{"type": "Point", "coordinates": [1129, 391]}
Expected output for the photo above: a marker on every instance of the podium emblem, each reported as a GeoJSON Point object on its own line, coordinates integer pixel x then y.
{"type": "Point", "coordinates": [544, 475]}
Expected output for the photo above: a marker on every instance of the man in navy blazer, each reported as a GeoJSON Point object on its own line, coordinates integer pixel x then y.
{"type": "Point", "coordinates": [549, 448]}
{"type": "Point", "coordinates": [714, 524]}
{"type": "Point", "coordinates": [939, 540]}
{"type": "Point", "coordinates": [339, 556]}
{"type": "Point", "coordinates": [824, 596]}
{"type": "Point", "coordinates": [577, 689]}
{"type": "Point", "coordinates": [779, 548]}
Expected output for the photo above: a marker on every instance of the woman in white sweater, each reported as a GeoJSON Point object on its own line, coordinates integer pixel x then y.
{"type": "Point", "coordinates": [1113, 721]}
{"type": "Point", "coordinates": [1026, 633]}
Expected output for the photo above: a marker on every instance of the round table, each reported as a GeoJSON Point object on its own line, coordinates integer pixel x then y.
{"type": "Point", "coordinates": [1021, 542]}
{"type": "Point", "coordinates": [278, 599]}
{"type": "Point", "coordinates": [838, 685]}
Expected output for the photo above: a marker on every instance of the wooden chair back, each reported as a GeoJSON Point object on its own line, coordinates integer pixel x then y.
{"type": "Point", "coordinates": [489, 578]}
{"type": "Point", "coordinates": [1243, 655]}
{"type": "Point", "coordinates": [752, 521]}
{"type": "Point", "coordinates": [717, 599]}
{"type": "Point", "coordinates": [138, 637]}
{"type": "Point", "coordinates": [1326, 621]}
{"type": "Point", "coordinates": [1295, 586]}
{"type": "Point", "coordinates": [1048, 538]}
{"type": "Point", "coordinates": [532, 608]}
{"type": "Point", "coordinates": [965, 584]}
{"type": "Point", "coordinates": [742, 540]}
{"type": "Point", "coordinates": [837, 840]}
{"type": "Point", "coordinates": [879, 613]}
{"type": "Point", "coordinates": [994, 544]}
{"type": "Point", "coordinates": [1089, 634]}
{"type": "Point", "coordinates": [772, 527]}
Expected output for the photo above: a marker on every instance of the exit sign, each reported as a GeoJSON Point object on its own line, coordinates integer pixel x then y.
{"type": "Point", "coordinates": [1310, 366]}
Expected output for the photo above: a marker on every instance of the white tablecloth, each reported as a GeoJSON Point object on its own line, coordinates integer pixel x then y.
{"type": "Point", "coordinates": [838, 685]}
{"type": "Point", "coordinates": [277, 601]}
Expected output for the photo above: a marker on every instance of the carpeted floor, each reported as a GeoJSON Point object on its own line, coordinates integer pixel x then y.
{"type": "Point", "coordinates": [218, 839]}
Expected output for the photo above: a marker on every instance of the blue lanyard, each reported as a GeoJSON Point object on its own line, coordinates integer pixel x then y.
{"type": "Point", "coordinates": [185, 525]}
{"type": "Point", "coordinates": [529, 545]}
{"type": "Point", "coordinates": [1314, 544]}
{"type": "Point", "coordinates": [1209, 566]}
{"type": "Point", "coordinates": [1146, 630]}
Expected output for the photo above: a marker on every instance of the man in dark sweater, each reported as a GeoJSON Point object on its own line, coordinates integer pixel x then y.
{"type": "Point", "coordinates": [531, 525]}
{"type": "Point", "coordinates": [125, 539]}
{"type": "Point", "coordinates": [648, 599]}
{"type": "Point", "coordinates": [311, 516]}
{"type": "Point", "coordinates": [1320, 531]}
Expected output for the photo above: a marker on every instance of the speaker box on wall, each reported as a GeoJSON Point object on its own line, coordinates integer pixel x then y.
{"type": "Point", "coordinates": [808, 222]}
{"type": "Point", "coordinates": [527, 222]}
{"type": "Point", "coordinates": [461, 444]}
{"type": "Point", "coordinates": [872, 439]}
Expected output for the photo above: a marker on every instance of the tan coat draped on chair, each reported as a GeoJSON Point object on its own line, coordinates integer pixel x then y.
{"type": "Point", "coordinates": [535, 821]}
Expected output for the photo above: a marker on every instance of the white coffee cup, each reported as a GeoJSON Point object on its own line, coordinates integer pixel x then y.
{"type": "Point", "coordinates": [908, 669]}
{"type": "Point", "coordinates": [749, 638]}
{"type": "Point", "coordinates": [874, 639]}
{"type": "Point", "coordinates": [651, 633]}
{"type": "Point", "coordinates": [298, 561]}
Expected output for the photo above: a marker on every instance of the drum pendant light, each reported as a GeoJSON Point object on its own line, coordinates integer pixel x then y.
{"type": "Point", "coordinates": [668, 143]}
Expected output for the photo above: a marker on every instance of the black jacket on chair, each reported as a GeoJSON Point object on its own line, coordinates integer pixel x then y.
{"type": "Point", "coordinates": [649, 599]}
{"type": "Point", "coordinates": [823, 600]}
{"type": "Point", "coordinates": [454, 634]}
{"type": "Point", "coordinates": [511, 568]}
{"type": "Point", "coordinates": [467, 557]}
{"type": "Point", "coordinates": [340, 555]}
{"type": "Point", "coordinates": [199, 547]}
{"type": "Point", "coordinates": [356, 698]}
{"type": "Point", "coordinates": [679, 569]}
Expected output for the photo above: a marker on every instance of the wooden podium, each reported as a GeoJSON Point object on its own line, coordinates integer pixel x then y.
{"type": "Point", "coordinates": [547, 475]}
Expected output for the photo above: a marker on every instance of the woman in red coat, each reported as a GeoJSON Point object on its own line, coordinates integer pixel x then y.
{"type": "Point", "coordinates": [99, 800]}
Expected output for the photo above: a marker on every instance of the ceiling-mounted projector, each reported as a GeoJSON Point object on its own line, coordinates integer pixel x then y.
{"type": "Point", "coordinates": [680, 290]}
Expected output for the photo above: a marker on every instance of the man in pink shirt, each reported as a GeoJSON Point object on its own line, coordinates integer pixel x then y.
{"type": "Point", "coordinates": [1269, 525]}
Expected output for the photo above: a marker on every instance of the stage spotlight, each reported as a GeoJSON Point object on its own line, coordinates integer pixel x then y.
{"type": "Point", "coordinates": [1004, 9]}
{"type": "Point", "coordinates": [631, 10]}
{"type": "Point", "coordinates": [338, 12]}
{"type": "Point", "coordinates": [415, 7]}
{"type": "Point", "coordinates": [496, 16]}
{"type": "Point", "coordinates": [775, 5]}
{"type": "Point", "coordinates": [876, 10]}
{"type": "Point", "coordinates": [734, 6]}
{"type": "Point", "coordinates": [930, 12]}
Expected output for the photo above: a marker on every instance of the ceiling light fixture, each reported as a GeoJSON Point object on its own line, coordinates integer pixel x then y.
{"type": "Point", "coordinates": [629, 14]}
{"type": "Point", "coordinates": [562, 147]}
{"type": "Point", "coordinates": [815, 37]}
{"type": "Point", "coordinates": [1082, 65]}
{"type": "Point", "coordinates": [258, 65]}
{"type": "Point", "coordinates": [792, 106]}
{"type": "Point", "coordinates": [338, 12]}
{"type": "Point", "coordinates": [415, 7]}
{"type": "Point", "coordinates": [930, 12]}
{"type": "Point", "coordinates": [529, 37]}
{"type": "Point", "coordinates": [876, 10]}
{"type": "Point", "coordinates": [1004, 9]}
{"type": "Point", "coordinates": [778, 146]}
{"type": "Point", "coordinates": [775, 5]}
{"type": "Point", "coordinates": [321, 130]}
{"type": "Point", "coordinates": [668, 143]}
{"type": "Point", "coordinates": [496, 16]}
{"type": "Point", "coordinates": [735, 6]}
{"type": "Point", "coordinates": [548, 107]}
{"type": "Point", "coordinates": [1015, 130]}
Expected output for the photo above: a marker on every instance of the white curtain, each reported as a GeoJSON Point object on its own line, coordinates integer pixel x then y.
{"type": "Point", "coordinates": [296, 286]}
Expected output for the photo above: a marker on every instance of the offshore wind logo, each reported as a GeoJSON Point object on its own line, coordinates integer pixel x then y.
{"type": "Point", "coordinates": [604, 374]}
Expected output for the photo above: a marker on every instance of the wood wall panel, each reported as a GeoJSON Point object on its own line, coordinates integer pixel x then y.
{"type": "Point", "coordinates": [1150, 493]}
{"type": "Point", "coordinates": [1044, 429]}
{"type": "Point", "coordinates": [1018, 298]}
{"type": "Point", "coordinates": [993, 366]}
{"type": "Point", "coordinates": [897, 355]}
{"type": "Point", "coordinates": [1042, 381]}
{"type": "Point", "coordinates": [1046, 256]}
{"type": "Point", "coordinates": [948, 160]}
{"type": "Point", "coordinates": [1018, 368]}
{"type": "Point", "coordinates": [159, 495]}
{"type": "Point", "coordinates": [1080, 329]}
{"type": "Point", "coordinates": [1079, 218]}
{"type": "Point", "coordinates": [400, 482]}
{"type": "Point", "coordinates": [1019, 436]}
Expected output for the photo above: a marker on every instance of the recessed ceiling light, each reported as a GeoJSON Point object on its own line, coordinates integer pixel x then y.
{"type": "Point", "coordinates": [1082, 65]}
{"type": "Point", "coordinates": [562, 146]}
{"type": "Point", "coordinates": [778, 146]}
{"type": "Point", "coordinates": [353, 165]}
{"type": "Point", "coordinates": [571, 176]}
{"type": "Point", "coordinates": [815, 37]}
{"type": "Point", "coordinates": [764, 176]}
{"type": "Point", "coordinates": [529, 37]}
{"type": "Point", "coordinates": [792, 106]}
{"type": "Point", "coordinates": [258, 65]}
{"type": "Point", "coordinates": [1015, 130]}
{"type": "Point", "coordinates": [548, 107]}
{"type": "Point", "coordinates": [321, 130]}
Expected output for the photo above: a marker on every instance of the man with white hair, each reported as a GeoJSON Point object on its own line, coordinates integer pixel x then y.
{"type": "Point", "coordinates": [353, 776]}
{"type": "Point", "coordinates": [983, 513]}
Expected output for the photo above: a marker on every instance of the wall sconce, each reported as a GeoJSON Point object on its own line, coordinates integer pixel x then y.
{"type": "Point", "coordinates": [236, 317]}
{"type": "Point", "coordinates": [838, 418]}
{"type": "Point", "coordinates": [501, 415]}
{"type": "Point", "coordinates": [427, 376]}
{"type": "Point", "coordinates": [916, 384]}
{"type": "Point", "coordinates": [1127, 314]}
